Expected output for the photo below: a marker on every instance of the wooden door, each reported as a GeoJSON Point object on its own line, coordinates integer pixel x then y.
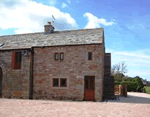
{"type": "Point", "coordinates": [89, 88]}
{"type": "Point", "coordinates": [1, 82]}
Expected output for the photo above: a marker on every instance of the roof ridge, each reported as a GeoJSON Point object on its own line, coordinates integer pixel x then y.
{"type": "Point", "coordinates": [53, 32]}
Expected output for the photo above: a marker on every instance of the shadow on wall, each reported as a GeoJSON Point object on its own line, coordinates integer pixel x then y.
{"type": "Point", "coordinates": [132, 99]}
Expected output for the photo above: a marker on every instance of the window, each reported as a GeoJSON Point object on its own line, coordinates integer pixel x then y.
{"type": "Point", "coordinates": [18, 57]}
{"type": "Point", "coordinates": [89, 55]}
{"type": "Point", "coordinates": [16, 60]}
{"type": "Point", "coordinates": [56, 56]}
{"type": "Point", "coordinates": [59, 82]}
{"type": "Point", "coordinates": [61, 56]}
{"type": "Point", "coordinates": [55, 82]}
{"type": "Point", "coordinates": [63, 82]}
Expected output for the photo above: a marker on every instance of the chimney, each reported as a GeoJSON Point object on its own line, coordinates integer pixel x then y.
{"type": "Point", "coordinates": [48, 28]}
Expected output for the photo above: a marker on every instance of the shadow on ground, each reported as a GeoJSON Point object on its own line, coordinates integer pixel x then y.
{"type": "Point", "coordinates": [131, 99]}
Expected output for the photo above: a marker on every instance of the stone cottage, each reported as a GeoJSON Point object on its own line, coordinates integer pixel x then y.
{"type": "Point", "coordinates": [54, 65]}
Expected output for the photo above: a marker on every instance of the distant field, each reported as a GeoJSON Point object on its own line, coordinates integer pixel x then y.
{"type": "Point", "coordinates": [147, 88]}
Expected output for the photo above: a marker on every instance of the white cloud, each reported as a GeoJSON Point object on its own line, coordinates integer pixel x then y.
{"type": "Point", "coordinates": [136, 26]}
{"type": "Point", "coordinates": [141, 73]}
{"type": "Point", "coordinates": [64, 5]}
{"type": "Point", "coordinates": [131, 27]}
{"type": "Point", "coordinates": [27, 16]}
{"type": "Point", "coordinates": [141, 26]}
{"type": "Point", "coordinates": [138, 62]}
{"type": "Point", "coordinates": [69, 1]}
{"type": "Point", "coordinates": [94, 22]}
{"type": "Point", "coordinates": [52, 2]}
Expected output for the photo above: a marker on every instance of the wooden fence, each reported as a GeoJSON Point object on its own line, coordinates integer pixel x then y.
{"type": "Point", "coordinates": [120, 90]}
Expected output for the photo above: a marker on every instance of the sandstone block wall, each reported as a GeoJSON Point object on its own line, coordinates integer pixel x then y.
{"type": "Point", "coordinates": [74, 67]}
{"type": "Point", "coordinates": [15, 82]}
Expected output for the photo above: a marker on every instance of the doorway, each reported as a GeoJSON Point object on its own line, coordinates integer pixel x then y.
{"type": "Point", "coordinates": [89, 88]}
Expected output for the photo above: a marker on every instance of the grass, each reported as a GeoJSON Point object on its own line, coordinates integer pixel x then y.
{"type": "Point", "coordinates": [147, 89]}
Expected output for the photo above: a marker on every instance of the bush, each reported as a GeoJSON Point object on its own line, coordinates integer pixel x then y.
{"type": "Point", "coordinates": [124, 82]}
{"type": "Point", "coordinates": [116, 83]}
{"type": "Point", "coordinates": [133, 84]}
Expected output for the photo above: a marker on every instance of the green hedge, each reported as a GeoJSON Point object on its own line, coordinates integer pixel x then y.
{"type": "Point", "coordinates": [132, 85]}
{"type": "Point", "coordinates": [117, 83]}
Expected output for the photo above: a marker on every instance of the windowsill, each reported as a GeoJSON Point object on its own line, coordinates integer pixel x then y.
{"type": "Point", "coordinates": [17, 69]}
{"type": "Point", "coordinates": [90, 61]}
{"type": "Point", "coordinates": [60, 87]}
{"type": "Point", "coordinates": [59, 60]}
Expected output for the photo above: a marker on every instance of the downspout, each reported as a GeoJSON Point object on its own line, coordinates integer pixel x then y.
{"type": "Point", "coordinates": [31, 74]}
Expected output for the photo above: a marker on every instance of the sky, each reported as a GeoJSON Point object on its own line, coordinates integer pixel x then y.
{"type": "Point", "coordinates": [125, 22]}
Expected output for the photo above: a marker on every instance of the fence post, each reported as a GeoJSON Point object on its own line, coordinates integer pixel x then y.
{"type": "Point", "coordinates": [125, 91]}
{"type": "Point", "coordinates": [120, 90]}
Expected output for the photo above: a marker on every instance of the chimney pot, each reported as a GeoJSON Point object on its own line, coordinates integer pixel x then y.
{"type": "Point", "coordinates": [48, 28]}
{"type": "Point", "coordinates": [49, 23]}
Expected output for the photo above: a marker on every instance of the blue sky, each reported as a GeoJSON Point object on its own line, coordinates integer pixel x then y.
{"type": "Point", "coordinates": [126, 24]}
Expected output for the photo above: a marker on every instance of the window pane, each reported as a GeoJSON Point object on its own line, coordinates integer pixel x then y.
{"type": "Point", "coordinates": [86, 83]}
{"type": "Point", "coordinates": [91, 83]}
{"type": "Point", "coordinates": [63, 82]}
{"type": "Point", "coordinates": [55, 82]}
{"type": "Point", "coordinates": [90, 56]}
{"type": "Point", "coordinates": [18, 57]}
{"type": "Point", "coordinates": [56, 56]}
{"type": "Point", "coordinates": [61, 56]}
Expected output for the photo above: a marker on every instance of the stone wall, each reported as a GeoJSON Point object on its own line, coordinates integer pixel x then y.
{"type": "Point", "coordinates": [15, 83]}
{"type": "Point", "coordinates": [108, 91]}
{"type": "Point", "coordinates": [74, 67]}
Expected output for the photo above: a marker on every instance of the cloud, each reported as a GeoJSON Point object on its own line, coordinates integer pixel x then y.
{"type": "Point", "coordinates": [141, 26]}
{"type": "Point", "coordinates": [64, 5]}
{"type": "Point", "coordinates": [27, 16]}
{"type": "Point", "coordinates": [138, 62]}
{"type": "Point", "coordinates": [143, 73]}
{"type": "Point", "coordinates": [52, 2]}
{"type": "Point", "coordinates": [69, 1]}
{"type": "Point", "coordinates": [136, 26]}
{"type": "Point", "coordinates": [94, 22]}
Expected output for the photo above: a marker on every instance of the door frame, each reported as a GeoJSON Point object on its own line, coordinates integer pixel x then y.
{"type": "Point", "coordinates": [84, 86]}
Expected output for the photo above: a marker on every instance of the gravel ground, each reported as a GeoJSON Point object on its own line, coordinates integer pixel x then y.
{"type": "Point", "coordinates": [135, 105]}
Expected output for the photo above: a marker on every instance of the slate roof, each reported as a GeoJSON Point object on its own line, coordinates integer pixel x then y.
{"type": "Point", "coordinates": [70, 37]}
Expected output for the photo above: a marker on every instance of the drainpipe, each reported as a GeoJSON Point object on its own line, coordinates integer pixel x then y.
{"type": "Point", "coordinates": [31, 74]}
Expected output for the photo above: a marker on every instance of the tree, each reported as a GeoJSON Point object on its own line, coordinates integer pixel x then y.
{"type": "Point", "coordinates": [139, 83]}
{"type": "Point", "coordinates": [118, 70]}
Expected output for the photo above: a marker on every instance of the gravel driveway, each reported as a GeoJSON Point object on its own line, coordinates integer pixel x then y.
{"type": "Point", "coordinates": [135, 105]}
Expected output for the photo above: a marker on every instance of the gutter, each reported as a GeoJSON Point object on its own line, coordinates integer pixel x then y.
{"type": "Point", "coordinates": [31, 74]}
{"type": "Point", "coordinates": [3, 50]}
